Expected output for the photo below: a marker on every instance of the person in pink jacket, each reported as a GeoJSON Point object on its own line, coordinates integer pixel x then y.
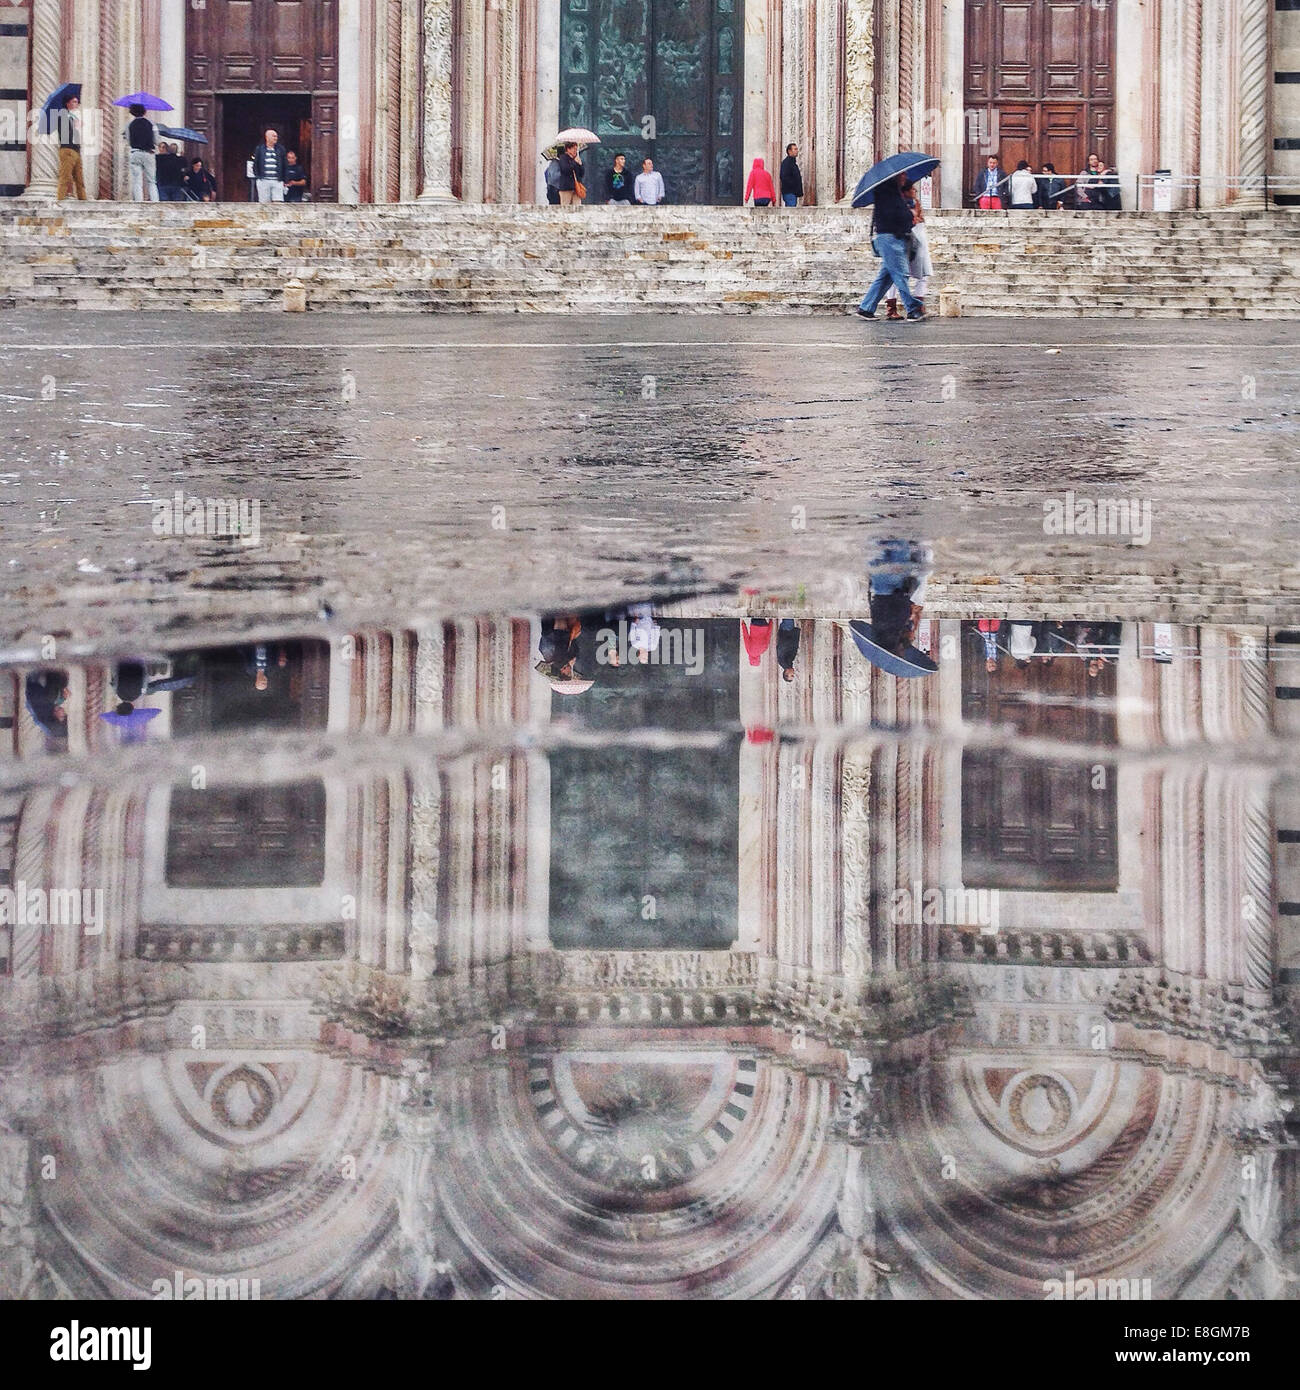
{"type": "Point", "coordinates": [760, 186]}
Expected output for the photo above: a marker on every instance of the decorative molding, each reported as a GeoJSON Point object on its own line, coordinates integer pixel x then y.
{"type": "Point", "coordinates": [437, 101]}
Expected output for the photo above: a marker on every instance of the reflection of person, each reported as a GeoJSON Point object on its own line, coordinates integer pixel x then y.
{"type": "Point", "coordinates": [787, 647]}
{"type": "Point", "coordinates": [257, 663]}
{"type": "Point", "coordinates": [47, 695]}
{"type": "Point", "coordinates": [757, 637]}
{"type": "Point", "coordinates": [558, 646]}
{"type": "Point", "coordinates": [899, 571]}
{"type": "Point", "coordinates": [989, 628]}
{"type": "Point", "coordinates": [644, 634]}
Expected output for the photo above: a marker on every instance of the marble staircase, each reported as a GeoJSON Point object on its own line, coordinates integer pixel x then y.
{"type": "Point", "coordinates": [417, 258]}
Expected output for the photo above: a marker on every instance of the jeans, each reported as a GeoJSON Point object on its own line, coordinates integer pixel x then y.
{"type": "Point", "coordinates": [790, 199]}
{"type": "Point", "coordinates": [144, 176]}
{"type": "Point", "coordinates": [893, 266]}
{"type": "Point", "coordinates": [270, 191]}
{"type": "Point", "coordinates": [171, 193]}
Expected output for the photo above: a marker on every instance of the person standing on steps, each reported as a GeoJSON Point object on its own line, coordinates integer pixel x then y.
{"type": "Point", "coordinates": [1024, 188]}
{"type": "Point", "coordinates": [71, 174]}
{"type": "Point", "coordinates": [759, 187]}
{"type": "Point", "coordinates": [891, 226]}
{"type": "Point", "coordinates": [791, 177]}
{"type": "Point", "coordinates": [649, 184]}
{"type": "Point", "coordinates": [618, 182]}
{"type": "Point", "coordinates": [991, 186]}
{"type": "Point", "coordinates": [171, 174]}
{"type": "Point", "coordinates": [199, 184]}
{"type": "Point", "coordinates": [269, 166]}
{"type": "Point", "coordinates": [142, 135]}
{"type": "Point", "coordinates": [295, 180]}
{"type": "Point", "coordinates": [1053, 189]}
{"type": "Point", "coordinates": [571, 171]}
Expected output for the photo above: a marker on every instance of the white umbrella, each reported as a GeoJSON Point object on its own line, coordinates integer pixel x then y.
{"type": "Point", "coordinates": [576, 135]}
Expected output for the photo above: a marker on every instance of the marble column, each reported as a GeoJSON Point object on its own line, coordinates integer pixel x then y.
{"type": "Point", "coordinates": [47, 64]}
{"type": "Point", "coordinates": [952, 105]}
{"type": "Point", "coordinates": [1253, 96]}
{"type": "Point", "coordinates": [349, 101]}
{"type": "Point", "coordinates": [437, 102]}
{"type": "Point", "coordinates": [411, 102]}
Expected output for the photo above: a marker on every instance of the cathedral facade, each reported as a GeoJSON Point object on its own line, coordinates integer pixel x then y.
{"type": "Point", "coordinates": [394, 100]}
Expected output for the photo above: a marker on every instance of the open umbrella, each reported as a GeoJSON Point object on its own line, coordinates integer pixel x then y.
{"type": "Point", "coordinates": [576, 134]}
{"type": "Point", "coordinates": [571, 687]}
{"type": "Point", "coordinates": [911, 162]}
{"type": "Point", "coordinates": [145, 99]}
{"type": "Point", "coordinates": [183, 132]}
{"type": "Point", "coordinates": [54, 103]}
{"type": "Point", "coordinates": [913, 661]}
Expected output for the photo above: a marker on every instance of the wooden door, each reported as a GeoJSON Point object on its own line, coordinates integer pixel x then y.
{"type": "Point", "coordinates": [1030, 823]}
{"type": "Point", "coordinates": [266, 48]}
{"type": "Point", "coordinates": [1042, 75]}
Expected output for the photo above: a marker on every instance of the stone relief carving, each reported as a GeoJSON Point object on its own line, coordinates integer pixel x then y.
{"type": "Point", "coordinates": [437, 99]}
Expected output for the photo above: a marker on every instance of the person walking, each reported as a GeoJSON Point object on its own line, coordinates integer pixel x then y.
{"type": "Point", "coordinates": [649, 184]}
{"type": "Point", "coordinates": [787, 647]}
{"type": "Point", "coordinates": [170, 169]}
{"type": "Point", "coordinates": [919, 265]}
{"type": "Point", "coordinates": [572, 190]}
{"type": "Point", "coordinates": [760, 186]}
{"type": "Point", "coordinates": [269, 167]}
{"type": "Point", "coordinates": [991, 186]}
{"type": "Point", "coordinates": [791, 177]}
{"type": "Point", "coordinates": [1024, 188]}
{"type": "Point", "coordinates": [618, 182]}
{"type": "Point", "coordinates": [142, 136]}
{"type": "Point", "coordinates": [71, 172]}
{"type": "Point", "coordinates": [891, 226]}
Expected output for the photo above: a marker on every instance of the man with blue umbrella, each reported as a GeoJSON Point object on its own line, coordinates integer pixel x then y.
{"type": "Point", "coordinates": [891, 225]}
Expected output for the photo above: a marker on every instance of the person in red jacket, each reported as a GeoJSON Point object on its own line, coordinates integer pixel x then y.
{"type": "Point", "coordinates": [760, 187]}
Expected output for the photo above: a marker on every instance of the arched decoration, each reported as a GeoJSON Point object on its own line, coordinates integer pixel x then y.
{"type": "Point", "coordinates": [638, 1173]}
{"type": "Point", "coordinates": [1010, 1173]}
{"type": "Point", "coordinates": [219, 1163]}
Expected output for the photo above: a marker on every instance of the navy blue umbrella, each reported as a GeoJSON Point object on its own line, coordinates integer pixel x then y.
{"type": "Point", "coordinates": [913, 661]}
{"type": "Point", "coordinates": [183, 132]}
{"type": "Point", "coordinates": [54, 104]}
{"type": "Point", "coordinates": [911, 162]}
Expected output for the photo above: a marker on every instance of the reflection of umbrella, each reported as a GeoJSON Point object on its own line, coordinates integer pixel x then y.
{"type": "Point", "coordinates": [54, 102]}
{"type": "Point", "coordinates": [571, 687]}
{"type": "Point", "coordinates": [577, 134]}
{"type": "Point", "coordinates": [913, 661]}
{"type": "Point", "coordinates": [183, 132]}
{"type": "Point", "coordinates": [145, 99]}
{"type": "Point", "coordinates": [911, 162]}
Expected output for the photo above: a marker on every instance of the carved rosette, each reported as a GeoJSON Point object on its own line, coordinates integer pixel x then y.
{"type": "Point", "coordinates": [437, 100]}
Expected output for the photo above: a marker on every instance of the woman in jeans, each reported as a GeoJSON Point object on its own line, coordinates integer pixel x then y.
{"type": "Point", "coordinates": [919, 265]}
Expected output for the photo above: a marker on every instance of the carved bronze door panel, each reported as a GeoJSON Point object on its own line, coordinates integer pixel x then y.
{"type": "Point", "coordinates": [658, 78]}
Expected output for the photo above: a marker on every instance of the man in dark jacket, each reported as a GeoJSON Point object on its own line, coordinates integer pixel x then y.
{"type": "Point", "coordinates": [791, 178]}
{"type": "Point", "coordinates": [891, 226]}
{"type": "Point", "coordinates": [295, 180]}
{"type": "Point", "coordinates": [269, 165]}
{"type": "Point", "coordinates": [990, 189]}
{"type": "Point", "coordinates": [171, 174]}
{"type": "Point", "coordinates": [570, 174]}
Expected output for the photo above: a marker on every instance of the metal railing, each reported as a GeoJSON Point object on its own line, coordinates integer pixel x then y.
{"type": "Point", "coordinates": [1162, 192]}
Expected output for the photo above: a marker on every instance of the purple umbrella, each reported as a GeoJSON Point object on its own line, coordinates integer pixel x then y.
{"type": "Point", "coordinates": [145, 99]}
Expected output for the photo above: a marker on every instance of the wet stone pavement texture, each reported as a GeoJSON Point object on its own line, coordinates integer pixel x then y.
{"type": "Point", "coordinates": [413, 468]}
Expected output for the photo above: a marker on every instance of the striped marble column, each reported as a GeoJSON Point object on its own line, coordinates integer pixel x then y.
{"type": "Point", "coordinates": [1253, 97]}
{"type": "Point", "coordinates": [47, 65]}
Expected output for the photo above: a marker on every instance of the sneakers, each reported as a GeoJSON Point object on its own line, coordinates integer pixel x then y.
{"type": "Point", "coordinates": [917, 316]}
{"type": "Point", "coordinates": [862, 313]}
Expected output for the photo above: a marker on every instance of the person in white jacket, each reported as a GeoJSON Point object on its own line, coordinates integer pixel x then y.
{"type": "Point", "coordinates": [649, 184]}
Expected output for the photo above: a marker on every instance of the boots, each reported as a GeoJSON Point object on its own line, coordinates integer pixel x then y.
{"type": "Point", "coordinates": [893, 310]}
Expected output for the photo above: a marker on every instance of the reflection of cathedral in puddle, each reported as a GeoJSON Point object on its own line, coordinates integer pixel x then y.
{"type": "Point", "coordinates": [637, 1020]}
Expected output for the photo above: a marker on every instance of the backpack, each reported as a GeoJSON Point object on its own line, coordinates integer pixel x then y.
{"type": "Point", "coordinates": [553, 174]}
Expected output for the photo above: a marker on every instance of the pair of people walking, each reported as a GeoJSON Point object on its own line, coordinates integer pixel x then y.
{"type": "Point", "coordinates": [900, 240]}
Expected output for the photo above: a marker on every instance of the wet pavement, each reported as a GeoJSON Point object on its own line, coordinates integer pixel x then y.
{"type": "Point", "coordinates": [648, 809]}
